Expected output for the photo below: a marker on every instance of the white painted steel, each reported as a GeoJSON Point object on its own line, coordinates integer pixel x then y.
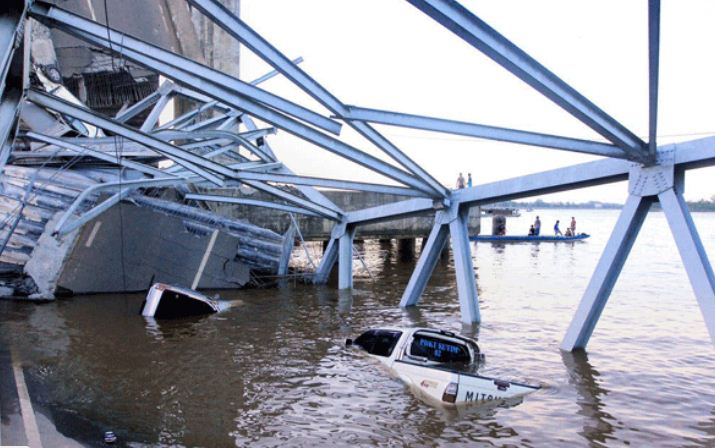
{"type": "Point", "coordinates": [606, 273]}
{"type": "Point", "coordinates": [693, 254]}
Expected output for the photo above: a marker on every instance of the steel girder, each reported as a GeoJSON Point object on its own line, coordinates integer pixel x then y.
{"type": "Point", "coordinates": [252, 202]}
{"type": "Point", "coordinates": [483, 131]}
{"type": "Point", "coordinates": [336, 184]}
{"type": "Point", "coordinates": [477, 33]}
{"type": "Point", "coordinates": [261, 47]}
{"type": "Point", "coordinates": [12, 70]}
{"type": "Point", "coordinates": [77, 26]}
{"type": "Point", "coordinates": [653, 72]}
{"type": "Point", "coordinates": [107, 157]}
{"type": "Point", "coordinates": [203, 167]}
{"type": "Point", "coordinates": [129, 47]}
{"type": "Point", "coordinates": [688, 155]}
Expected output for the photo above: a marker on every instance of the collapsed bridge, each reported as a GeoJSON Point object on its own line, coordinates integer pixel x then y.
{"type": "Point", "coordinates": [226, 148]}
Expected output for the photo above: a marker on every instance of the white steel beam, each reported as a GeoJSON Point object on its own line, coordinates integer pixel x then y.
{"type": "Point", "coordinates": [345, 262]}
{"type": "Point", "coordinates": [426, 263]}
{"type": "Point", "coordinates": [653, 71]}
{"type": "Point", "coordinates": [481, 36]}
{"type": "Point", "coordinates": [604, 277]}
{"type": "Point", "coordinates": [190, 161]}
{"type": "Point", "coordinates": [483, 131]}
{"type": "Point", "coordinates": [261, 47]}
{"type": "Point", "coordinates": [252, 202]}
{"type": "Point", "coordinates": [464, 268]}
{"type": "Point", "coordinates": [693, 254]}
{"type": "Point", "coordinates": [330, 256]}
{"type": "Point", "coordinates": [133, 49]}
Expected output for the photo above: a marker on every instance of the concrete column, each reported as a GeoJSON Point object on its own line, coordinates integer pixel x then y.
{"type": "Point", "coordinates": [345, 261]}
{"type": "Point", "coordinates": [604, 277]}
{"type": "Point", "coordinates": [406, 249]}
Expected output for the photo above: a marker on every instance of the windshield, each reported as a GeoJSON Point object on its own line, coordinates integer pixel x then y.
{"type": "Point", "coordinates": [378, 342]}
{"type": "Point", "coordinates": [434, 348]}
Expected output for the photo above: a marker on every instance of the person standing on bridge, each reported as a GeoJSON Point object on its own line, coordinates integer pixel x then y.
{"type": "Point", "coordinates": [460, 182]}
{"type": "Point", "coordinates": [469, 180]}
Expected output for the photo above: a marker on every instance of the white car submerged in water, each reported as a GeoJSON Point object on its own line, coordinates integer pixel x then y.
{"type": "Point", "coordinates": [437, 365]}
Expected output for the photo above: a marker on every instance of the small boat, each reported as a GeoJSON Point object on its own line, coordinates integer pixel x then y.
{"type": "Point", "coordinates": [167, 301]}
{"type": "Point", "coordinates": [528, 238]}
{"type": "Point", "coordinates": [437, 365]}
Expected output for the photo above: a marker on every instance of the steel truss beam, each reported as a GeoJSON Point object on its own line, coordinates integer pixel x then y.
{"type": "Point", "coordinates": [196, 164]}
{"type": "Point", "coordinates": [450, 223]}
{"type": "Point", "coordinates": [132, 49]}
{"type": "Point", "coordinates": [253, 202]}
{"type": "Point", "coordinates": [606, 273]}
{"type": "Point", "coordinates": [688, 155]}
{"type": "Point", "coordinates": [483, 131]}
{"type": "Point", "coordinates": [107, 157]}
{"type": "Point", "coordinates": [261, 47]}
{"type": "Point", "coordinates": [616, 252]}
{"type": "Point", "coordinates": [77, 27]}
{"type": "Point", "coordinates": [653, 72]}
{"type": "Point", "coordinates": [481, 36]}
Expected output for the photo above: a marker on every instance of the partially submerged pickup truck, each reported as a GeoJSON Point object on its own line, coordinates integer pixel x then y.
{"type": "Point", "coordinates": [438, 365]}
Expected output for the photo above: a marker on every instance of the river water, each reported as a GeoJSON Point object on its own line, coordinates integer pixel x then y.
{"type": "Point", "coordinates": [273, 370]}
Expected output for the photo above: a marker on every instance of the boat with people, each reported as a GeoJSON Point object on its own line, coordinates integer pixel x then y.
{"type": "Point", "coordinates": [170, 301]}
{"type": "Point", "coordinates": [529, 238]}
{"type": "Point", "coordinates": [438, 365]}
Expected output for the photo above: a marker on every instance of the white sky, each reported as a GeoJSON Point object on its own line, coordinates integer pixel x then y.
{"type": "Point", "coordinates": [387, 54]}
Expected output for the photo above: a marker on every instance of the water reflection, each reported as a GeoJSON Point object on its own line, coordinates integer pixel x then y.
{"type": "Point", "coordinates": [597, 426]}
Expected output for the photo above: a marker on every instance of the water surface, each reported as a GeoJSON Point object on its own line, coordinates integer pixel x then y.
{"type": "Point", "coordinates": [273, 370]}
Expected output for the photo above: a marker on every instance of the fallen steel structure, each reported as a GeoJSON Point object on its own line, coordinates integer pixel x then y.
{"type": "Point", "coordinates": [212, 151]}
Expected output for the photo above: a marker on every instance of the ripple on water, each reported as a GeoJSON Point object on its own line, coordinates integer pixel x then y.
{"type": "Point", "coordinates": [273, 369]}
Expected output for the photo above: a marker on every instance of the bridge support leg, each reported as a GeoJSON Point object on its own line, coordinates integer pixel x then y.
{"type": "Point", "coordinates": [604, 277]}
{"type": "Point", "coordinates": [693, 254]}
{"type": "Point", "coordinates": [330, 256]}
{"type": "Point", "coordinates": [466, 284]}
{"type": "Point", "coordinates": [345, 262]}
{"type": "Point", "coordinates": [425, 265]}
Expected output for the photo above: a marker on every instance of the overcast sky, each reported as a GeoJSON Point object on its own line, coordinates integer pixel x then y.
{"type": "Point", "coordinates": [387, 54]}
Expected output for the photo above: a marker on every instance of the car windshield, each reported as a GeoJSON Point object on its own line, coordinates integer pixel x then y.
{"type": "Point", "coordinates": [378, 342]}
{"type": "Point", "coordinates": [435, 348]}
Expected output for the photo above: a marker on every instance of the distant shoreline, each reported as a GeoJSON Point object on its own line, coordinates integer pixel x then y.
{"type": "Point", "coordinates": [700, 206]}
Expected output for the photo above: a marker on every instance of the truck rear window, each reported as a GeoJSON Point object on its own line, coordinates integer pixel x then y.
{"type": "Point", "coordinates": [378, 342]}
{"type": "Point", "coordinates": [439, 350]}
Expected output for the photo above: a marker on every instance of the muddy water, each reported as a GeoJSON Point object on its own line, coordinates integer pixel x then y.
{"type": "Point", "coordinates": [273, 371]}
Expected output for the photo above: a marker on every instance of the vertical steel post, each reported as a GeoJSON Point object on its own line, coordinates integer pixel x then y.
{"type": "Point", "coordinates": [466, 284]}
{"type": "Point", "coordinates": [330, 256]}
{"type": "Point", "coordinates": [345, 262]}
{"type": "Point", "coordinates": [425, 265]}
{"type": "Point", "coordinates": [604, 277]}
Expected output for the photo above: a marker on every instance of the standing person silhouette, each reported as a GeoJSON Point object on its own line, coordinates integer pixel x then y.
{"type": "Point", "coordinates": [573, 226]}
{"type": "Point", "coordinates": [557, 231]}
{"type": "Point", "coordinates": [537, 226]}
{"type": "Point", "coordinates": [460, 182]}
{"type": "Point", "coordinates": [469, 180]}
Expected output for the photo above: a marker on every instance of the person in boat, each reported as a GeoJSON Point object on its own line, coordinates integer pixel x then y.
{"type": "Point", "coordinates": [460, 182]}
{"type": "Point", "coordinates": [572, 227]}
{"type": "Point", "coordinates": [537, 226]}
{"type": "Point", "coordinates": [568, 232]}
{"type": "Point", "coordinates": [557, 231]}
{"type": "Point", "coordinates": [532, 231]}
{"type": "Point", "coordinates": [469, 180]}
